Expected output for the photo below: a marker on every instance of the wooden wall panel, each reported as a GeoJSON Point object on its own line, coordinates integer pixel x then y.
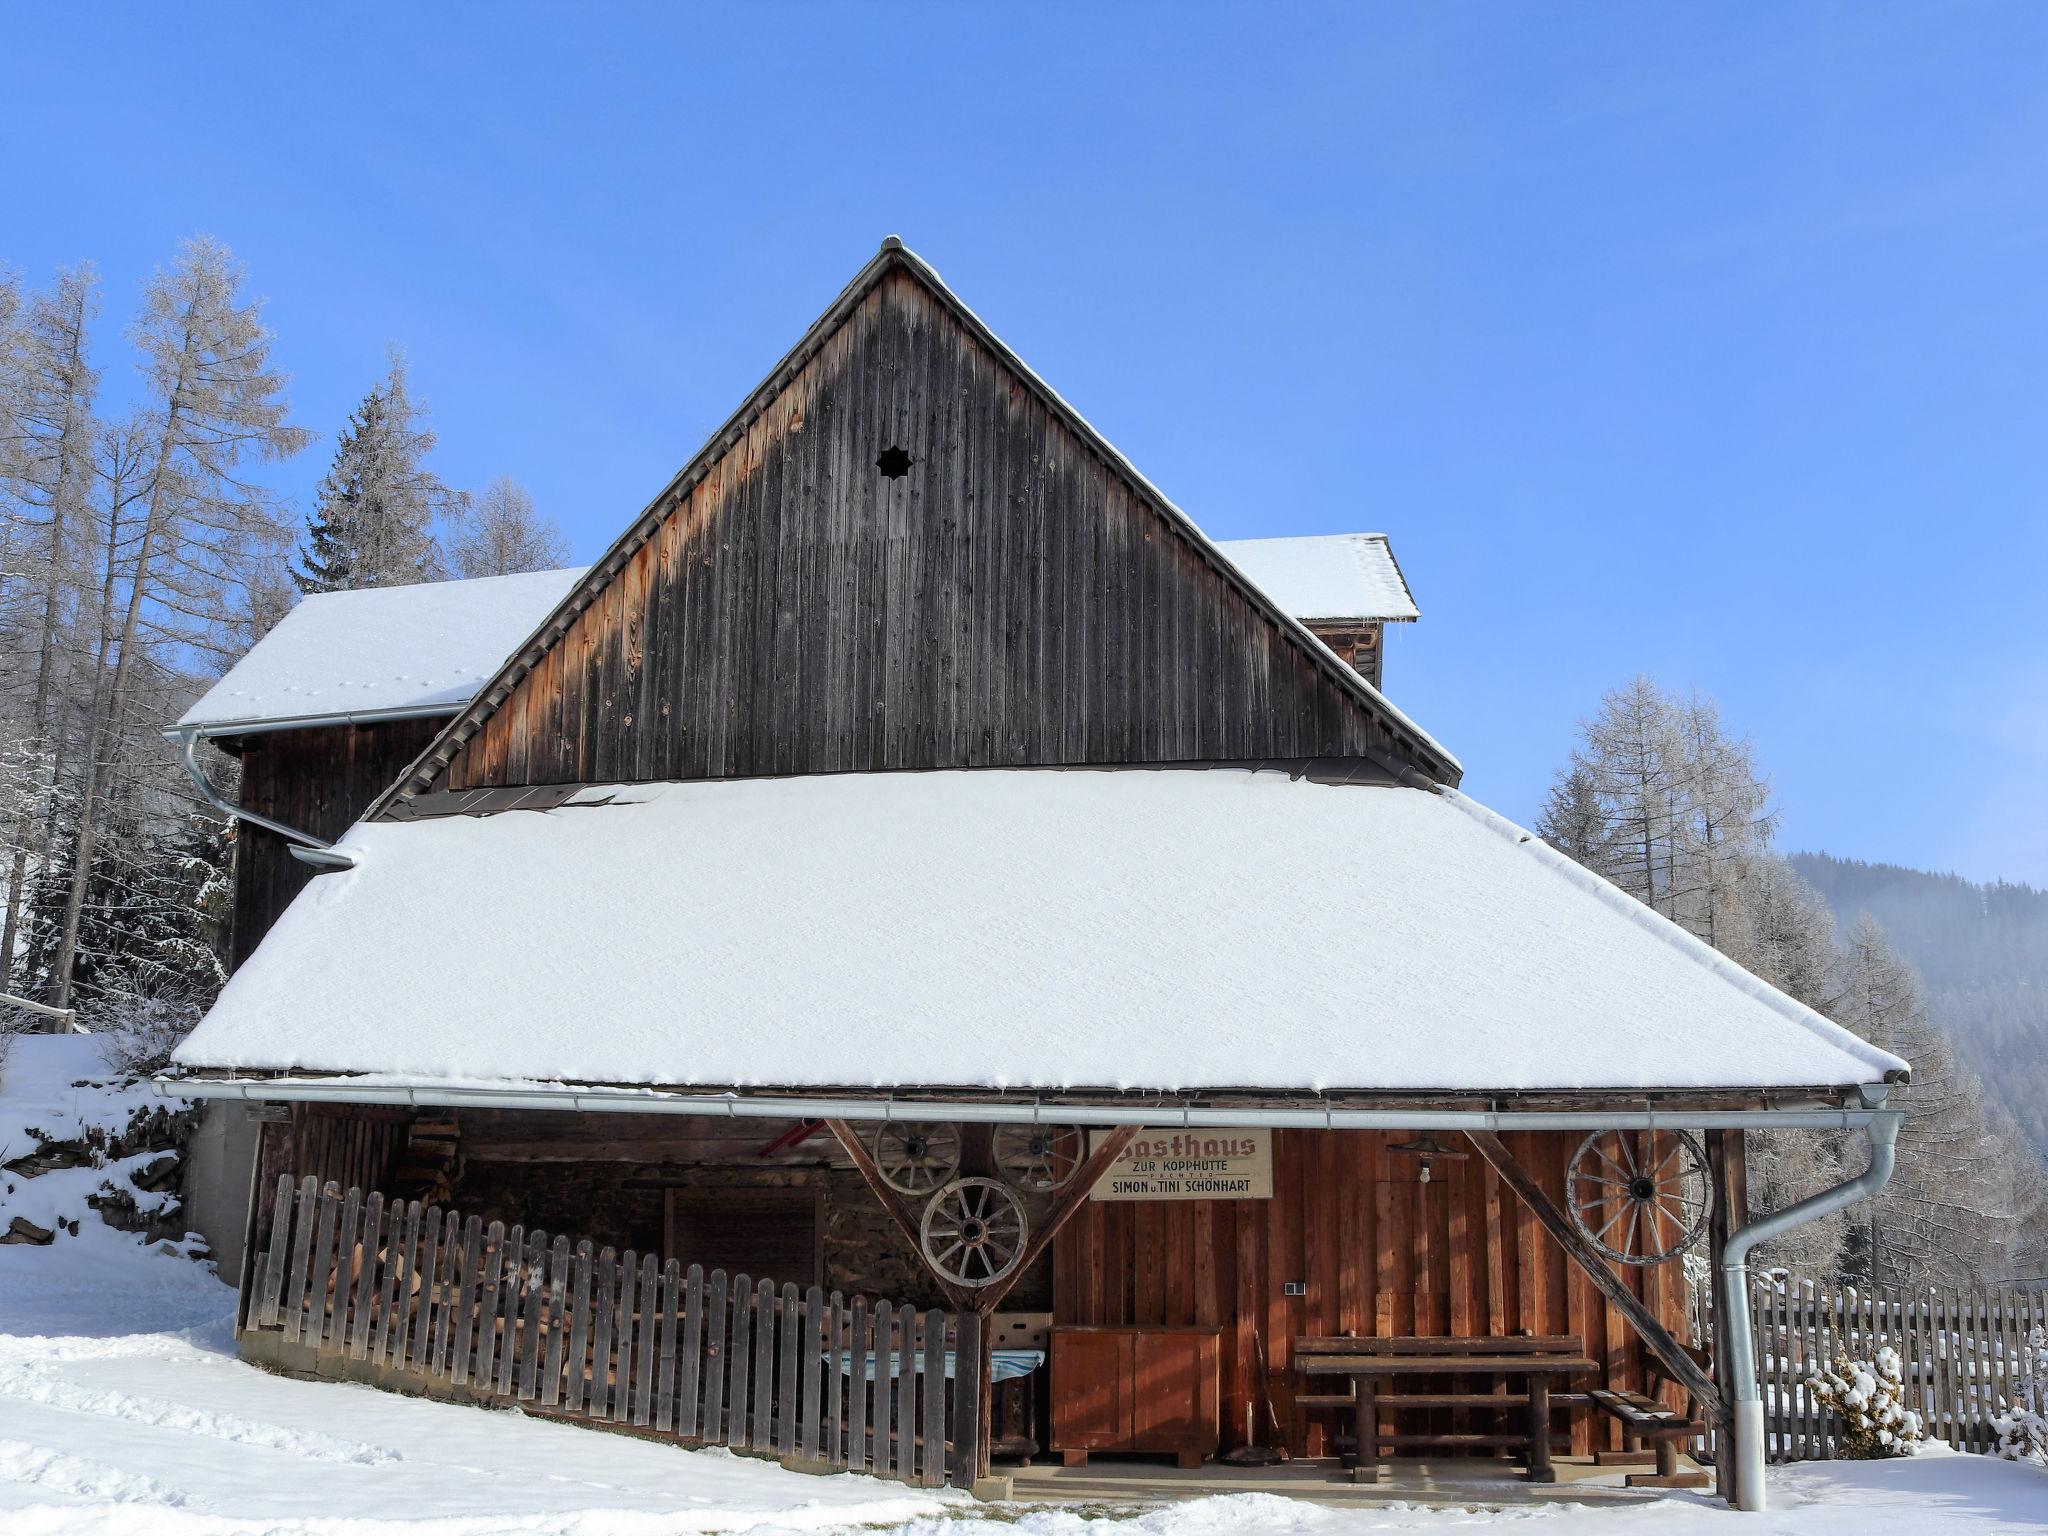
{"type": "Point", "coordinates": [1011, 600]}
{"type": "Point", "coordinates": [319, 781]}
{"type": "Point", "coordinates": [1380, 1253]}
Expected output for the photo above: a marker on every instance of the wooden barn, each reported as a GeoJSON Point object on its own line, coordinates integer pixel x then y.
{"type": "Point", "coordinates": [918, 957]}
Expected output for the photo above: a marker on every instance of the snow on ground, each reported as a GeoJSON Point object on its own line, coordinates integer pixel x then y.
{"type": "Point", "coordinates": [56, 1087]}
{"type": "Point", "coordinates": [124, 1412]}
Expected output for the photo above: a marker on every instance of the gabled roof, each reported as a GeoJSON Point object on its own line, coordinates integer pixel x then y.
{"type": "Point", "coordinates": [1175, 929]}
{"type": "Point", "coordinates": [1407, 739]}
{"type": "Point", "coordinates": [428, 649]}
{"type": "Point", "coordinates": [385, 651]}
{"type": "Point", "coordinates": [1327, 576]}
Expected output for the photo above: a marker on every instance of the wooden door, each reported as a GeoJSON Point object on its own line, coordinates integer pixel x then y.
{"type": "Point", "coordinates": [1091, 1400]}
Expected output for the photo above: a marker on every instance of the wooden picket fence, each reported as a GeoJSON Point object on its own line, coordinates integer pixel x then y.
{"type": "Point", "coordinates": [1962, 1352]}
{"type": "Point", "coordinates": [464, 1309]}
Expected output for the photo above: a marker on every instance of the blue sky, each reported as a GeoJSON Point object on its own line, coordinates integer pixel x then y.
{"type": "Point", "coordinates": [1704, 341]}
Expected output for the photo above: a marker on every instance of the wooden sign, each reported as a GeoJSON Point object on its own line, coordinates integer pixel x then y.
{"type": "Point", "coordinates": [1230, 1164]}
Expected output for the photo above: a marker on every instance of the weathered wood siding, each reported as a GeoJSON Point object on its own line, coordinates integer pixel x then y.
{"type": "Point", "coordinates": [319, 781]}
{"type": "Point", "coordinates": [1013, 599]}
{"type": "Point", "coordinates": [1380, 1252]}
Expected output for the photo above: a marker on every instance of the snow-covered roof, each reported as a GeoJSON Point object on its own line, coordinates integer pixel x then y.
{"type": "Point", "coordinates": [424, 649]}
{"type": "Point", "coordinates": [1327, 576]}
{"type": "Point", "coordinates": [1164, 929]}
{"type": "Point", "coordinates": [427, 649]}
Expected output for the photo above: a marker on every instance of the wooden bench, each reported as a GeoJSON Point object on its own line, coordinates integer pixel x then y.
{"type": "Point", "coordinates": [1664, 1427]}
{"type": "Point", "coordinates": [1366, 1362]}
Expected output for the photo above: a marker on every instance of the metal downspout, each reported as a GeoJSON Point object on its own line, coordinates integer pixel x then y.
{"type": "Point", "coordinates": [1883, 1131]}
{"type": "Point", "coordinates": [306, 847]}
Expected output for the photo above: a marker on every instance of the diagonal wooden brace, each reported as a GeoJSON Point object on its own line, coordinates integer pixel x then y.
{"type": "Point", "coordinates": [1683, 1368]}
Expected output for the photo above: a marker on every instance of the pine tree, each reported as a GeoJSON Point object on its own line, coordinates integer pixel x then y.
{"type": "Point", "coordinates": [1573, 821]}
{"type": "Point", "coordinates": [373, 523]}
{"type": "Point", "coordinates": [503, 533]}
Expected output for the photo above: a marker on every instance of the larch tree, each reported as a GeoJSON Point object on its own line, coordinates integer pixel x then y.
{"type": "Point", "coordinates": [49, 484]}
{"type": "Point", "coordinates": [373, 520]}
{"type": "Point", "coordinates": [184, 521]}
{"type": "Point", "coordinates": [502, 533]}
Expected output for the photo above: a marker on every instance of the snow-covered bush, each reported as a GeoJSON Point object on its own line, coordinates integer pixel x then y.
{"type": "Point", "coordinates": [1870, 1395]}
{"type": "Point", "coordinates": [138, 1034]}
{"type": "Point", "coordinates": [2022, 1425]}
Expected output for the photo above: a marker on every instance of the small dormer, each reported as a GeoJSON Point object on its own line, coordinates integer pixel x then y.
{"type": "Point", "coordinates": [1346, 587]}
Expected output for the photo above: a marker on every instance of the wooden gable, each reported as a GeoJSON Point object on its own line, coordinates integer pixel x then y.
{"type": "Point", "coordinates": [799, 601]}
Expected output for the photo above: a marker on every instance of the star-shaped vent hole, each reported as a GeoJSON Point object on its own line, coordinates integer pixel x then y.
{"type": "Point", "coordinates": [894, 463]}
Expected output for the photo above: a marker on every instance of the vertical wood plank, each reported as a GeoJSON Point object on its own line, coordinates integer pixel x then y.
{"type": "Point", "coordinates": [444, 1297]}
{"type": "Point", "coordinates": [647, 1330]}
{"type": "Point", "coordinates": [739, 1359]}
{"type": "Point", "coordinates": [397, 1321]}
{"type": "Point", "coordinates": [604, 1301]}
{"type": "Point", "coordinates": [711, 1429]}
{"type": "Point", "coordinates": [857, 1350]}
{"type": "Point", "coordinates": [932, 1464]}
{"type": "Point", "coordinates": [489, 1284]}
{"type": "Point", "coordinates": [533, 1307]}
{"type": "Point", "coordinates": [391, 1269]}
{"type": "Point", "coordinates": [557, 1322]}
{"type": "Point", "coordinates": [832, 1445]}
{"type": "Point", "coordinates": [349, 1261]}
{"type": "Point", "coordinates": [908, 1332]}
{"type": "Point", "coordinates": [810, 1349]}
{"type": "Point", "coordinates": [665, 1379]}
{"type": "Point", "coordinates": [499, 1371]}
{"type": "Point", "coordinates": [365, 1281]}
{"type": "Point", "coordinates": [764, 1366]}
{"type": "Point", "coordinates": [689, 1376]}
{"type": "Point", "coordinates": [422, 1340]}
{"type": "Point", "coordinates": [582, 1288]}
{"type": "Point", "coordinates": [624, 1340]}
{"type": "Point", "coordinates": [278, 1257]}
{"type": "Point", "coordinates": [788, 1379]}
{"type": "Point", "coordinates": [302, 1249]}
{"type": "Point", "coordinates": [882, 1386]}
{"type": "Point", "coordinates": [321, 1281]}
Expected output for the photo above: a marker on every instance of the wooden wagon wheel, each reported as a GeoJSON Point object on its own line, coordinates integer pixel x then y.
{"type": "Point", "coordinates": [917, 1156]}
{"type": "Point", "coordinates": [1640, 1196]}
{"type": "Point", "coordinates": [1040, 1158]}
{"type": "Point", "coordinates": [973, 1232]}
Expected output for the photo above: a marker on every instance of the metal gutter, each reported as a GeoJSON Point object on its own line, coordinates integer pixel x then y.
{"type": "Point", "coordinates": [1740, 1354]}
{"type": "Point", "coordinates": [628, 1101]}
{"type": "Point", "coordinates": [318, 850]}
{"type": "Point", "coordinates": [313, 722]}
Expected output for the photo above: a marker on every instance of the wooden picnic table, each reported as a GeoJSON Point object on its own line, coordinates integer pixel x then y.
{"type": "Point", "coordinates": [1368, 1362]}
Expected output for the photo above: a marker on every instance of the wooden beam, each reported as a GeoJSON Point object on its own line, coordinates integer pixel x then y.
{"type": "Point", "coordinates": [909, 1221]}
{"type": "Point", "coordinates": [1653, 1333]}
{"type": "Point", "coordinates": [1730, 1202]}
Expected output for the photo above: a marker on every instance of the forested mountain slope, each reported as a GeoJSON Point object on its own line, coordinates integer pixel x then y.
{"type": "Point", "coordinates": [1983, 951]}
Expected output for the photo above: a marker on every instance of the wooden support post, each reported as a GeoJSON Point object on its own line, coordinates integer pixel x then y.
{"type": "Point", "coordinates": [1683, 1368]}
{"type": "Point", "coordinates": [1731, 1199]}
